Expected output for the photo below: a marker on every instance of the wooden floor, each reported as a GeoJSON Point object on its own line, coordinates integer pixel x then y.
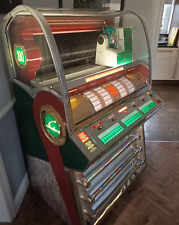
{"type": "Point", "coordinates": [153, 199]}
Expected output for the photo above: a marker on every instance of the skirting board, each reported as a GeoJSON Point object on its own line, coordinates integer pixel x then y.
{"type": "Point", "coordinates": [9, 206]}
{"type": "Point", "coordinates": [21, 193]}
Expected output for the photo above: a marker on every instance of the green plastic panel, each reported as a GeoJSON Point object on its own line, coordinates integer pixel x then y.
{"type": "Point", "coordinates": [30, 137]}
{"type": "Point", "coordinates": [72, 156]}
{"type": "Point", "coordinates": [147, 106]}
{"type": "Point", "coordinates": [110, 133]}
{"type": "Point", "coordinates": [126, 56]}
{"type": "Point", "coordinates": [131, 118]}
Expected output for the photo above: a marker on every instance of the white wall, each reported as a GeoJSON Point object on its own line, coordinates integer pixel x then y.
{"type": "Point", "coordinates": [150, 12]}
{"type": "Point", "coordinates": [48, 3]}
{"type": "Point", "coordinates": [41, 3]}
{"type": "Point", "coordinates": [115, 5]}
{"type": "Point", "coordinates": [67, 4]}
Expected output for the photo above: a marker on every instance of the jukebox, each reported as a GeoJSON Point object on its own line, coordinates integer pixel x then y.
{"type": "Point", "coordinates": [82, 83]}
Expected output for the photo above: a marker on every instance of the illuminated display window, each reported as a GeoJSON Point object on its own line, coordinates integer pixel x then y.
{"type": "Point", "coordinates": [112, 90]}
{"type": "Point", "coordinates": [101, 75]}
{"type": "Point", "coordinates": [123, 109]}
{"type": "Point", "coordinates": [120, 88]}
{"type": "Point", "coordinates": [147, 106]}
{"type": "Point", "coordinates": [110, 133]}
{"type": "Point", "coordinates": [90, 145]}
{"type": "Point", "coordinates": [131, 118]}
{"type": "Point", "coordinates": [105, 96]}
{"type": "Point", "coordinates": [128, 83]}
{"type": "Point", "coordinates": [83, 137]}
{"type": "Point", "coordinates": [94, 100]}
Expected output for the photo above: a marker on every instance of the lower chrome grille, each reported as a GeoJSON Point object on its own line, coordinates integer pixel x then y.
{"type": "Point", "coordinates": [104, 181]}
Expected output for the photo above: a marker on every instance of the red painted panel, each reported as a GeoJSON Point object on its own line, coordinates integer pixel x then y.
{"type": "Point", "coordinates": [64, 25]}
{"type": "Point", "coordinates": [34, 60]}
{"type": "Point", "coordinates": [83, 137]}
{"type": "Point", "coordinates": [144, 70]}
{"type": "Point", "coordinates": [53, 152]}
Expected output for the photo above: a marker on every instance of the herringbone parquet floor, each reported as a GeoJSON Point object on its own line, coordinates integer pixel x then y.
{"type": "Point", "coordinates": [153, 199]}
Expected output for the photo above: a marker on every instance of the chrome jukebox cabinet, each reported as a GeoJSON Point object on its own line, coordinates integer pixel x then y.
{"type": "Point", "coordinates": [82, 83]}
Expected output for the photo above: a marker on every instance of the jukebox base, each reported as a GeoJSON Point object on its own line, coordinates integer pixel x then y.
{"type": "Point", "coordinates": [44, 183]}
{"type": "Point", "coordinates": [99, 187]}
{"type": "Point", "coordinates": [96, 189]}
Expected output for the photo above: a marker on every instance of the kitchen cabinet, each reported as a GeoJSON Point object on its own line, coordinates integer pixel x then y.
{"type": "Point", "coordinates": [166, 66]}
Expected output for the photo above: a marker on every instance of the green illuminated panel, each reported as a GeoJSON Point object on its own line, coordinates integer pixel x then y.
{"type": "Point", "coordinates": [131, 118]}
{"type": "Point", "coordinates": [110, 133]}
{"type": "Point", "coordinates": [147, 106]}
{"type": "Point", "coordinates": [126, 56]}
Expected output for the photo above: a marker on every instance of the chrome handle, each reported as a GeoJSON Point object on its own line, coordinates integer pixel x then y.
{"type": "Point", "coordinates": [108, 181]}
{"type": "Point", "coordinates": [138, 161]}
{"type": "Point", "coordinates": [99, 170]}
{"type": "Point", "coordinates": [102, 209]}
{"type": "Point", "coordinates": [137, 148]}
{"type": "Point", "coordinates": [90, 213]}
{"type": "Point", "coordinates": [86, 198]}
{"type": "Point", "coordinates": [84, 183]}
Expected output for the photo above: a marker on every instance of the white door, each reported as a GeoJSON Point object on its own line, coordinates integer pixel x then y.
{"type": "Point", "coordinates": [165, 63]}
{"type": "Point", "coordinates": [176, 72]}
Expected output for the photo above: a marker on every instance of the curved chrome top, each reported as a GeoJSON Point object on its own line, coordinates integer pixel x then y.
{"type": "Point", "coordinates": [39, 16]}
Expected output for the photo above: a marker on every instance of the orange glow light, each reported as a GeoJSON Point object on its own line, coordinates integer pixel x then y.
{"type": "Point", "coordinates": [100, 75]}
{"type": "Point", "coordinates": [123, 109]}
{"type": "Point", "coordinates": [131, 69]}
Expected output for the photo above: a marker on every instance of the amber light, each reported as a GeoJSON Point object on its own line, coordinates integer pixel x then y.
{"type": "Point", "coordinates": [100, 75]}
{"type": "Point", "coordinates": [123, 109]}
